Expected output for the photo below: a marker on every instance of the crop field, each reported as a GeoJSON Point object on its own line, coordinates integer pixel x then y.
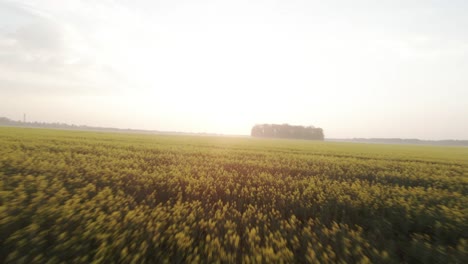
{"type": "Point", "coordinates": [82, 197]}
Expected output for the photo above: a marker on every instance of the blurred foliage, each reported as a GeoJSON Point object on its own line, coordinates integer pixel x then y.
{"type": "Point", "coordinates": [287, 131]}
{"type": "Point", "coordinates": [82, 197]}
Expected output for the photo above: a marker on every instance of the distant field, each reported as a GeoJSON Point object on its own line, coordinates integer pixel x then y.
{"type": "Point", "coordinates": [78, 197]}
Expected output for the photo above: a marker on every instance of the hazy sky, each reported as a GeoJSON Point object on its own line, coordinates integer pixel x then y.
{"type": "Point", "coordinates": [355, 68]}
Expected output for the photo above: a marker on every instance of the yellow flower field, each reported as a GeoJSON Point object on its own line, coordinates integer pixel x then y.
{"type": "Point", "coordinates": [82, 197]}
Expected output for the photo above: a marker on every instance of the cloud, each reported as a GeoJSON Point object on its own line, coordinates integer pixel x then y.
{"type": "Point", "coordinates": [40, 51]}
{"type": "Point", "coordinates": [33, 47]}
{"type": "Point", "coordinates": [28, 38]}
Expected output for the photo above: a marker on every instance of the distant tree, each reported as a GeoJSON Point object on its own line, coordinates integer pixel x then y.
{"type": "Point", "coordinates": [287, 131]}
{"type": "Point", "coordinates": [257, 131]}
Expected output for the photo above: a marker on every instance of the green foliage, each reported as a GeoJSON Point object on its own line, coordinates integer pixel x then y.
{"type": "Point", "coordinates": [287, 131]}
{"type": "Point", "coordinates": [83, 197]}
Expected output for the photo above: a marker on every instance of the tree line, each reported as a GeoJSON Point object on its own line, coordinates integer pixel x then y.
{"type": "Point", "coordinates": [287, 131]}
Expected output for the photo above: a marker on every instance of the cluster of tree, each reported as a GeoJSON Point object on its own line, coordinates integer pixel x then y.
{"type": "Point", "coordinates": [287, 131]}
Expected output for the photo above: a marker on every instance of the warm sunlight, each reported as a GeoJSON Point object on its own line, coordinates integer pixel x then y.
{"type": "Point", "coordinates": [223, 67]}
{"type": "Point", "coordinates": [247, 131]}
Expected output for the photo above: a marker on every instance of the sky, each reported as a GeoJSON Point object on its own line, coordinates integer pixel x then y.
{"type": "Point", "coordinates": [363, 68]}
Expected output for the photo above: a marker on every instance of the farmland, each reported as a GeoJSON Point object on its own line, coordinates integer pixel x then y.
{"type": "Point", "coordinates": [79, 197]}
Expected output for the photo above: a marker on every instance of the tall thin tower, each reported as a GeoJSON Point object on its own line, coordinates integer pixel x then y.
{"type": "Point", "coordinates": [24, 117]}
